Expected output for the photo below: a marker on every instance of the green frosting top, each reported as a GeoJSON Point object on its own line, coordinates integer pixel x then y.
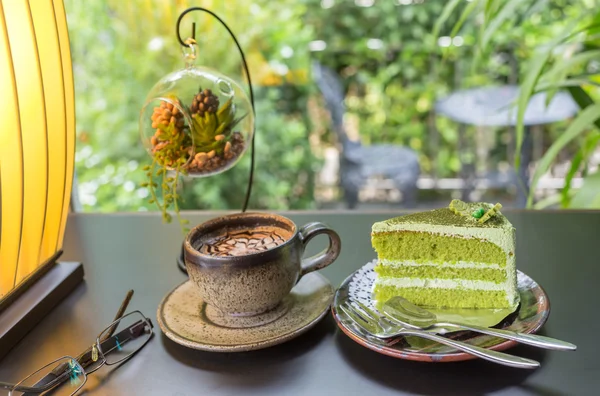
{"type": "Point", "coordinates": [447, 217]}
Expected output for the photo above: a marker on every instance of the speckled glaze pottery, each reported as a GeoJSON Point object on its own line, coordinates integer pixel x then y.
{"type": "Point", "coordinates": [250, 290]}
{"type": "Point", "coordinates": [182, 317]}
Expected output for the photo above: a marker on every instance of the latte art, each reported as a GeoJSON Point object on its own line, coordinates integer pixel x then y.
{"type": "Point", "coordinates": [244, 242]}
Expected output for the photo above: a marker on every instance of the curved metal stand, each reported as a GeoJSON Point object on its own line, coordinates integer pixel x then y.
{"type": "Point", "coordinates": [180, 258]}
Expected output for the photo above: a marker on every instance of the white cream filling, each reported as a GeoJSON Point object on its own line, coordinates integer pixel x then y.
{"type": "Point", "coordinates": [459, 264]}
{"type": "Point", "coordinates": [440, 283]}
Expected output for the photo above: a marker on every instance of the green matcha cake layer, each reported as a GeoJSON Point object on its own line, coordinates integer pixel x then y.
{"type": "Point", "coordinates": [455, 298]}
{"type": "Point", "coordinates": [432, 248]}
{"type": "Point", "coordinates": [433, 272]}
{"type": "Point", "coordinates": [497, 230]}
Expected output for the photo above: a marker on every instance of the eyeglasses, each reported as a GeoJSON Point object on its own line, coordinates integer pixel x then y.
{"type": "Point", "coordinates": [65, 376]}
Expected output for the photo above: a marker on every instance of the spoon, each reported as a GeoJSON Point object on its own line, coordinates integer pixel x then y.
{"type": "Point", "coordinates": [412, 316]}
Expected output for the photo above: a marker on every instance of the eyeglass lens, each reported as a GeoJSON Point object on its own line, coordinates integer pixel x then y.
{"type": "Point", "coordinates": [62, 377]}
{"type": "Point", "coordinates": [130, 334]}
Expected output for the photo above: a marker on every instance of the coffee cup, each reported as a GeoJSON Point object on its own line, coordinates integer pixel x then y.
{"type": "Point", "coordinates": [245, 265]}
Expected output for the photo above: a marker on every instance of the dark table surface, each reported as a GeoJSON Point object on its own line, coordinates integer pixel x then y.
{"type": "Point", "coordinates": [135, 251]}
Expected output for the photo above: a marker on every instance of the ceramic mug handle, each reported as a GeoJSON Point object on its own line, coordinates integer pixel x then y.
{"type": "Point", "coordinates": [327, 256]}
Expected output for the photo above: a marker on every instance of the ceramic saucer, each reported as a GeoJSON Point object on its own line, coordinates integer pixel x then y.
{"type": "Point", "coordinates": [531, 314]}
{"type": "Point", "coordinates": [182, 317]}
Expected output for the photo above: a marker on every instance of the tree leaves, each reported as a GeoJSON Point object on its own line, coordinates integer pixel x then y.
{"type": "Point", "coordinates": [582, 155]}
{"type": "Point", "coordinates": [565, 73]}
{"type": "Point", "coordinates": [463, 17]}
{"type": "Point", "coordinates": [535, 69]}
{"type": "Point", "coordinates": [580, 125]}
{"type": "Point", "coordinates": [525, 93]}
{"type": "Point", "coordinates": [588, 196]}
{"type": "Point", "coordinates": [561, 68]}
{"type": "Point", "coordinates": [549, 201]}
{"type": "Point", "coordinates": [446, 12]}
{"type": "Point", "coordinates": [582, 99]}
{"type": "Point", "coordinates": [504, 13]}
{"type": "Point", "coordinates": [573, 81]}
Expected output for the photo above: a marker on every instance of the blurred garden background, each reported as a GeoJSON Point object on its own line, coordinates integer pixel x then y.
{"type": "Point", "coordinates": [393, 69]}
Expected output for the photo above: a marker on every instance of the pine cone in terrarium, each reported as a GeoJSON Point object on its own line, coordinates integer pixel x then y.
{"type": "Point", "coordinates": [205, 102]}
{"type": "Point", "coordinates": [215, 141]}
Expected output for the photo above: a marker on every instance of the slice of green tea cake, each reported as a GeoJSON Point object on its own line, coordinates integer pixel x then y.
{"type": "Point", "coordinates": [462, 256]}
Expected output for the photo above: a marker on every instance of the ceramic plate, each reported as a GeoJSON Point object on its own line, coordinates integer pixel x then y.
{"type": "Point", "coordinates": [181, 316]}
{"type": "Point", "coordinates": [531, 314]}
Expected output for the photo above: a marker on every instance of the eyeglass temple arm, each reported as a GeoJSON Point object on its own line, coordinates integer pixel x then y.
{"type": "Point", "coordinates": [119, 314]}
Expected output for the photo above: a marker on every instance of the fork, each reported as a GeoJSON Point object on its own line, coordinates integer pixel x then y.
{"type": "Point", "coordinates": [381, 328]}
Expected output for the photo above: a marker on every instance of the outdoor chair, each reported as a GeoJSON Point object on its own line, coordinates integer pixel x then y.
{"type": "Point", "coordinates": [358, 163]}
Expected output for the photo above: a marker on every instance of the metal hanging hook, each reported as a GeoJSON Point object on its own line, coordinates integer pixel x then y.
{"type": "Point", "coordinates": [180, 257]}
{"type": "Point", "coordinates": [247, 72]}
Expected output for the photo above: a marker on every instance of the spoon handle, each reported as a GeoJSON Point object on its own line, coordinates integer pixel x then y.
{"type": "Point", "coordinates": [529, 339]}
{"type": "Point", "coordinates": [487, 354]}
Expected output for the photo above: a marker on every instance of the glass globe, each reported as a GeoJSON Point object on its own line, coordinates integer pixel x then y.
{"type": "Point", "coordinates": [197, 121]}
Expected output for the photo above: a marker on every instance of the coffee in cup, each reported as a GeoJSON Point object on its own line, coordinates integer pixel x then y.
{"type": "Point", "coordinates": [243, 241]}
{"type": "Point", "coordinates": [246, 264]}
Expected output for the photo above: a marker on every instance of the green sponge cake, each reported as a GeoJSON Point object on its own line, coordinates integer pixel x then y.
{"type": "Point", "coordinates": [462, 256]}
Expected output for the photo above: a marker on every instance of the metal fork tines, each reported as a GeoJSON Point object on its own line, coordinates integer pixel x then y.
{"type": "Point", "coordinates": [384, 328]}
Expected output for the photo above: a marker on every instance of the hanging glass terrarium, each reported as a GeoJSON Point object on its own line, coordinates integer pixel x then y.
{"type": "Point", "coordinates": [196, 121]}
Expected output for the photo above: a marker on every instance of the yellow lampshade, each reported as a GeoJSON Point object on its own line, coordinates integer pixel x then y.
{"type": "Point", "coordinates": [37, 136]}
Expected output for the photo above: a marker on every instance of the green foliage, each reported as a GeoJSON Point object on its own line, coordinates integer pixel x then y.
{"type": "Point", "coordinates": [285, 172]}
{"type": "Point", "coordinates": [392, 84]}
{"type": "Point", "coordinates": [392, 74]}
{"type": "Point", "coordinates": [169, 186]}
{"type": "Point", "coordinates": [588, 196]}
{"type": "Point", "coordinates": [210, 125]}
{"type": "Point", "coordinates": [580, 159]}
{"type": "Point", "coordinates": [120, 49]}
{"type": "Point", "coordinates": [565, 61]}
{"type": "Point", "coordinates": [391, 64]}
